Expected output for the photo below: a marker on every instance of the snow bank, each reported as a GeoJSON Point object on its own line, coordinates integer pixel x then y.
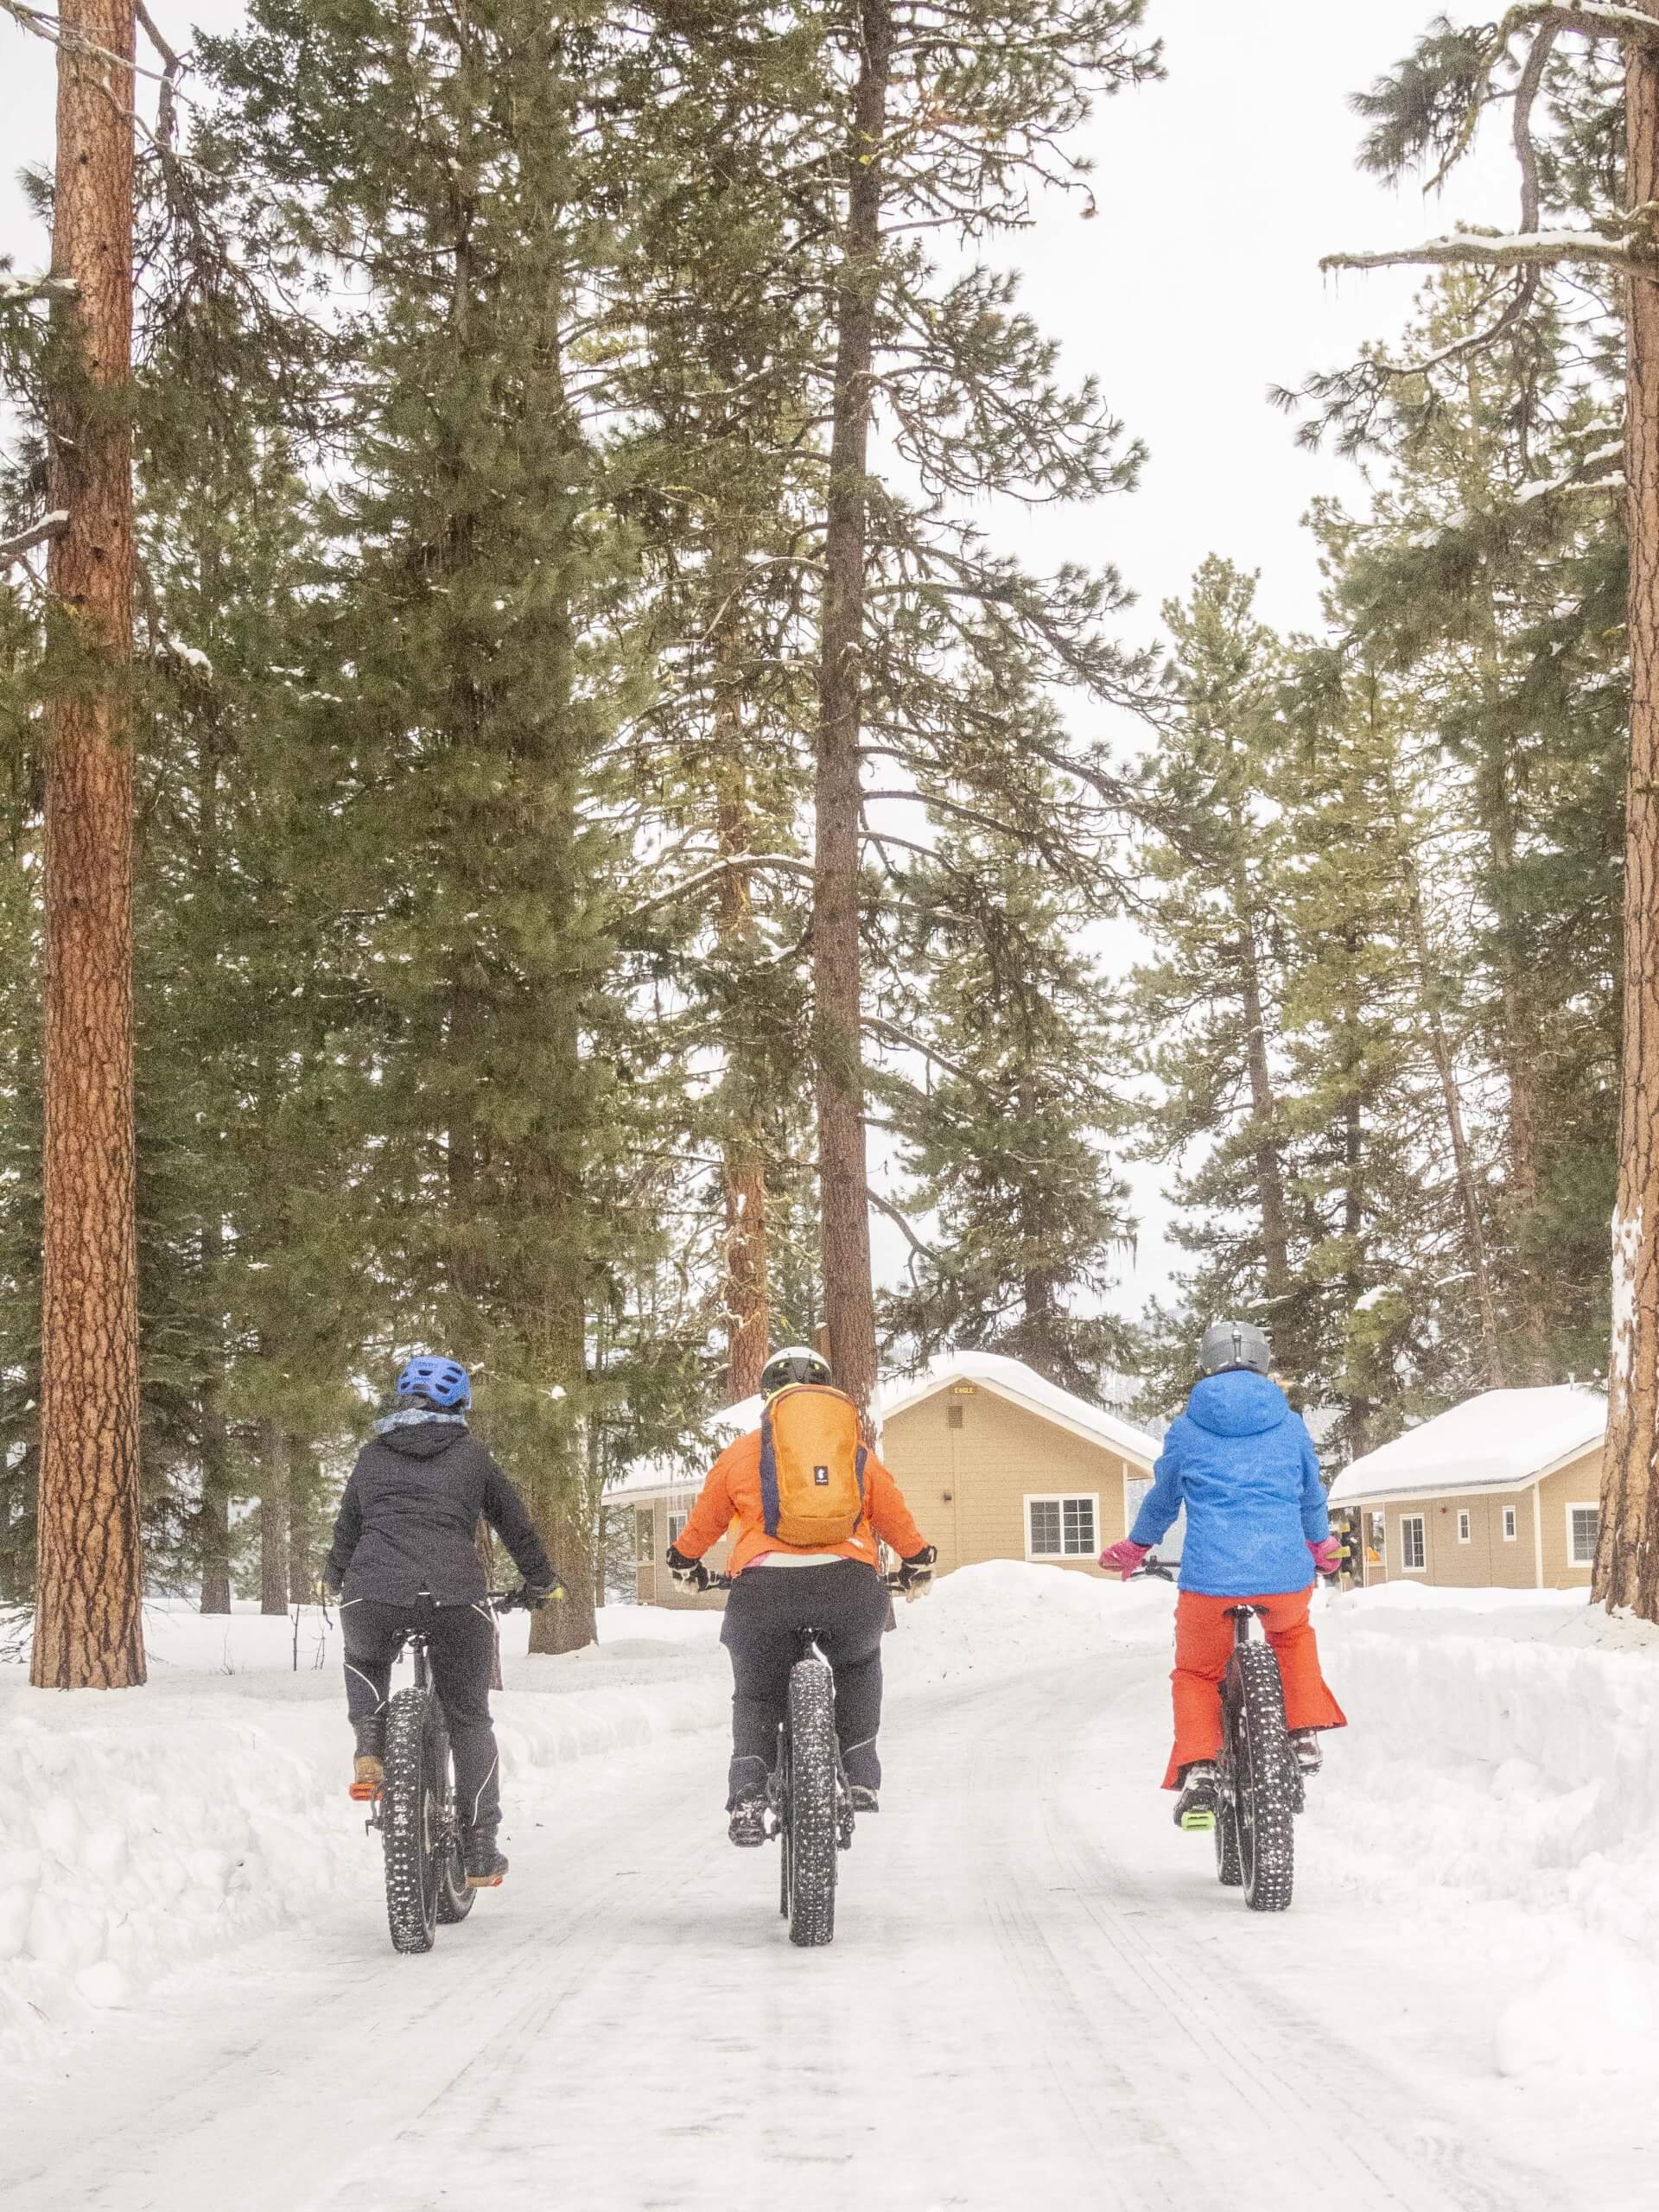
{"type": "Point", "coordinates": [142, 1829]}
{"type": "Point", "coordinates": [1006, 1617]}
{"type": "Point", "coordinates": [1501, 1766]}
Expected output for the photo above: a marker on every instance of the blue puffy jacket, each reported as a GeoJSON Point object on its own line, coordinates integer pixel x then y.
{"type": "Point", "coordinates": [1245, 1467]}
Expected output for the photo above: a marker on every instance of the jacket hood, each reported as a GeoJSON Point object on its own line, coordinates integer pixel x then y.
{"type": "Point", "coordinates": [1238, 1403]}
{"type": "Point", "coordinates": [419, 1436]}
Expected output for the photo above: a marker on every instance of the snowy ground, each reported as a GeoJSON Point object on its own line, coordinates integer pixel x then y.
{"type": "Point", "coordinates": [1038, 1993]}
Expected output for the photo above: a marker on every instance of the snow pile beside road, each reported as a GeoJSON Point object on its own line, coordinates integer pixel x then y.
{"type": "Point", "coordinates": [1005, 1617]}
{"type": "Point", "coordinates": [1499, 1758]}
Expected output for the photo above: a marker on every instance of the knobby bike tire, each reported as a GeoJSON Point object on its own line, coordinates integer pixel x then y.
{"type": "Point", "coordinates": [811, 1804]}
{"type": "Point", "coordinates": [456, 1900]}
{"type": "Point", "coordinates": [1267, 1780]}
{"type": "Point", "coordinates": [412, 1816]}
{"type": "Point", "coordinates": [781, 1780]}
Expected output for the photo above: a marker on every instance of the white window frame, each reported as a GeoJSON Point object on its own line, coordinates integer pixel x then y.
{"type": "Point", "coordinates": [677, 1524]}
{"type": "Point", "coordinates": [1421, 1521]}
{"type": "Point", "coordinates": [1465, 1526]}
{"type": "Point", "coordinates": [645, 1535]}
{"type": "Point", "coordinates": [1511, 1524]}
{"type": "Point", "coordinates": [1062, 1498]}
{"type": "Point", "coordinates": [1582, 1505]}
{"type": "Point", "coordinates": [1376, 1539]}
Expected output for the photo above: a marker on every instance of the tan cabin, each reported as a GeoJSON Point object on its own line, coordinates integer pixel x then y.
{"type": "Point", "coordinates": [1504, 1491]}
{"type": "Point", "coordinates": [996, 1463]}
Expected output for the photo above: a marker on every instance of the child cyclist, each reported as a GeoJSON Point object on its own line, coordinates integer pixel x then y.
{"type": "Point", "coordinates": [1242, 1463]}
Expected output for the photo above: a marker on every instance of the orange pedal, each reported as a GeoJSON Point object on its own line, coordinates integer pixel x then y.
{"type": "Point", "coordinates": [363, 1793]}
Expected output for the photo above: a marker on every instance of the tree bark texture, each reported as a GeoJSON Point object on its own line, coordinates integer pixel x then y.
{"type": "Point", "coordinates": [849, 1304]}
{"type": "Point", "coordinates": [1627, 1555]}
{"type": "Point", "coordinates": [88, 1630]}
{"type": "Point", "coordinates": [304, 1485]}
{"type": "Point", "coordinates": [746, 1270]}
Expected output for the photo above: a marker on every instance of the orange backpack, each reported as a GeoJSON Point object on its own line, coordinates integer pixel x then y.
{"type": "Point", "coordinates": [812, 1468]}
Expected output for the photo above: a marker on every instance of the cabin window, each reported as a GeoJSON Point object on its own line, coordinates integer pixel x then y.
{"type": "Point", "coordinates": [1509, 1524]}
{"type": "Point", "coordinates": [1464, 1531]}
{"type": "Point", "coordinates": [1379, 1537]}
{"type": "Point", "coordinates": [1583, 1527]}
{"type": "Point", "coordinates": [645, 1534]}
{"type": "Point", "coordinates": [953, 1417]}
{"type": "Point", "coordinates": [1061, 1528]}
{"type": "Point", "coordinates": [675, 1525]}
{"type": "Point", "coordinates": [1413, 1543]}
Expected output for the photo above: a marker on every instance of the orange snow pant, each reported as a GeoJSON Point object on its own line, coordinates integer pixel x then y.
{"type": "Point", "coordinates": [1204, 1643]}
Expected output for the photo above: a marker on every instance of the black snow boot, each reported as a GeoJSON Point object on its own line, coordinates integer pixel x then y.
{"type": "Point", "coordinates": [745, 1800]}
{"type": "Point", "coordinates": [368, 1768]}
{"type": "Point", "coordinates": [484, 1862]}
{"type": "Point", "coordinates": [1195, 1806]}
{"type": "Point", "coordinates": [865, 1797]}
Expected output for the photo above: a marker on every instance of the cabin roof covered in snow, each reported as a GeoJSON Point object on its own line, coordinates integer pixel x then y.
{"type": "Point", "coordinates": [1007, 1379]}
{"type": "Point", "coordinates": [1503, 1439]}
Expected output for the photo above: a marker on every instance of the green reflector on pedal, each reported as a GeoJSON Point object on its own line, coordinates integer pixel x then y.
{"type": "Point", "coordinates": [1198, 1823]}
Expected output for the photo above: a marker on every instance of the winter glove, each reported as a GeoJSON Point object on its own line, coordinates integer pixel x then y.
{"type": "Point", "coordinates": [327, 1591]}
{"type": "Point", "coordinates": [917, 1572]}
{"type": "Point", "coordinates": [1123, 1557]}
{"type": "Point", "coordinates": [535, 1595]}
{"type": "Point", "coordinates": [1327, 1555]}
{"type": "Point", "coordinates": [689, 1574]}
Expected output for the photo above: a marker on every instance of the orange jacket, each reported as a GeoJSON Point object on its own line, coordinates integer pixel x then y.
{"type": "Point", "coordinates": [732, 1492]}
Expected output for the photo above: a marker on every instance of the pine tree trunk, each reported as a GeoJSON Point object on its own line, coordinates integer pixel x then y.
{"type": "Point", "coordinates": [1627, 1556]}
{"type": "Point", "coordinates": [747, 1259]}
{"type": "Point", "coordinates": [88, 1630]}
{"type": "Point", "coordinates": [273, 1519]}
{"type": "Point", "coordinates": [1264, 1107]}
{"type": "Point", "coordinates": [849, 1304]}
{"type": "Point", "coordinates": [215, 1524]}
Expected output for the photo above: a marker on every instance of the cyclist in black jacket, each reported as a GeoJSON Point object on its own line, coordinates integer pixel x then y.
{"type": "Point", "coordinates": [403, 1557]}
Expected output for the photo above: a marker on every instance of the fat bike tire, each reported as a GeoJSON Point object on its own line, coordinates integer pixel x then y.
{"type": "Point", "coordinates": [412, 1819]}
{"type": "Point", "coordinates": [811, 1802]}
{"type": "Point", "coordinates": [1266, 1780]}
{"type": "Point", "coordinates": [786, 1862]}
{"type": "Point", "coordinates": [456, 1900]}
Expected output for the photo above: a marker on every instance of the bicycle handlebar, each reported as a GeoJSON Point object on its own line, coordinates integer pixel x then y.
{"type": "Point", "coordinates": [892, 1582]}
{"type": "Point", "coordinates": [1152, 1569]}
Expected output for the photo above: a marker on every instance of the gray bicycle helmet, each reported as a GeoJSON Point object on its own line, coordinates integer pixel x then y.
{"type": "Point", "coordinates": [1228, 1344]}
{"type": "Point", "coordinates": [794, 1363]}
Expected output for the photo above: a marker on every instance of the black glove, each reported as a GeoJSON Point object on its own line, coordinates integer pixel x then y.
{"type": "Point", "coordinates": [535, 1595]}
{"type": "Point", "coordinates": [689, 1574]}
{"type": "Point", "coordinates": [918, 1569]}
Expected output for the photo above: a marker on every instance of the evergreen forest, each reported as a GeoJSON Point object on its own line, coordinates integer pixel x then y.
{"type": "Point", "coordinates": [627, 868]}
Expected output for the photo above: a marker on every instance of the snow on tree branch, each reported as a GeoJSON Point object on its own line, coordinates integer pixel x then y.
{"type": "Point", "coordinates": [1518, 250]}
{"type": "Point", "coordinates": [38, 533]}
{"type": "Point", "coordinates": [1589, 20]}
{"type": "Point", "coordinates": [17, 291]}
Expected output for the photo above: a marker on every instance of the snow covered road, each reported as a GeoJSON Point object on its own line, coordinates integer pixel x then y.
{"type": "Point", "coordinates": [1037, 1995]}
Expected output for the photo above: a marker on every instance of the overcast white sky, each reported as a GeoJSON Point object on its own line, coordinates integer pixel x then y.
{"type": "Point", "coordinates": [1196, 289]}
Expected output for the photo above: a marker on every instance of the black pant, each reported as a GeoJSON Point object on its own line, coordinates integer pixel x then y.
{"type": "Point", "coordinates": [846, 1602]}
{"type": "Point", "coordinates": [462, 1641]}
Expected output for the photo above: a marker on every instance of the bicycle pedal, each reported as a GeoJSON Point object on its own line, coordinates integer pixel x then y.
{"type": "Point", "coordinates": [363, 1793]}
{"type": "Point", "coordinates": [491, 1882]}
{"type": "Point", "coordinates": [1198, 1823]}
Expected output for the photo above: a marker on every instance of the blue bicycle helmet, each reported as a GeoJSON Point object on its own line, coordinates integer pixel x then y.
{"type": "Point", "coordinates": [444, 1380]}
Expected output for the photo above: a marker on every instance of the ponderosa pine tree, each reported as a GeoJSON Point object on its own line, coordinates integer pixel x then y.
{"type": "Point", "coordinates": [1566, 119]}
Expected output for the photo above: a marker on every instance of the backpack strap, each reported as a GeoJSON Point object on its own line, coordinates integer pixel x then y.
{"type": "Point", "coordinates": [858, 1465]}
{"type": "Point", "coordinates": [769, 1476]}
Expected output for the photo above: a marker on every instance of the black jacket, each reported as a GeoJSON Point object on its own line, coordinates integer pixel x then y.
{"type": "Point", "coordinates": [406, 1522]}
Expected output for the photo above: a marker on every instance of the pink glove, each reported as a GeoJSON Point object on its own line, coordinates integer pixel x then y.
{"type": "Point", "coordinates": [1327, 1555]}
{"type": "Point", "coordinates": [1123, 1557]}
